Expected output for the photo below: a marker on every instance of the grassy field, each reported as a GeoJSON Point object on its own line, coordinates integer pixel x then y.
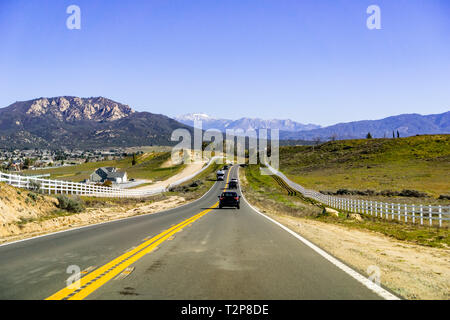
{"type": "Point", "coordinates": [190, 190]}
{"type": "Point", "coordinates": [198, 185]}
{"type": "Point", "coordinates": [419, 163]}
{"type": "Point", "coordinates": [148, 166]}
{"type": "Point", "coordinates": [263, 192]}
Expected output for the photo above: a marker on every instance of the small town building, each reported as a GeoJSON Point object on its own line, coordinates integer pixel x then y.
{"type": "Point", "coordinates": [108, 174]}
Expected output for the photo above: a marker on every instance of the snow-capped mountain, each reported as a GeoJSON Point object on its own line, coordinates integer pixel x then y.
{"type": "Point", "coordinates": [194, 116]}
{"type": "Point", "coordinates": [209, 122]}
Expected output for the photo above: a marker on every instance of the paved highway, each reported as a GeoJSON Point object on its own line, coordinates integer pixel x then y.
{"type": "Point", "coordinates": [196, 251]}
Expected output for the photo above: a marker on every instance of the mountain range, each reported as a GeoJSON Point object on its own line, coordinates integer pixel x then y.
{"type": "Point", "coordinates": [72, 122]}
{"type": "Point", "coordinates": [405, 124]}
{"type": "Point", "coordinates": [209, 122]}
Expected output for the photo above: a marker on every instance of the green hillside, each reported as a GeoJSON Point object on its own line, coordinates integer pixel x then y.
{"type": "Point", "coordinates": [148, 166]}
{"type": "Point", "coordinates": [420, 163]}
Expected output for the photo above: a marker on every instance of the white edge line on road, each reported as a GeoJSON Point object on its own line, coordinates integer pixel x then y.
{"type": "Point", "coordinates": [354, 274]}
{"type": "Point", "coordinates": [105, 222]}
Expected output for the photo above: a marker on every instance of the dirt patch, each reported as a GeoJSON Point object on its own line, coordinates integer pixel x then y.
{"type": "Point", "coordinates": [412, 271]}
{"type": "Point", "coordinates": [190, 169]}
{"type": "Point", "coordinates": [13, 231]}
{"type": "Point", "coordinates": [19, 206]}
{"type": "Point", "coordinates": [169, 163]}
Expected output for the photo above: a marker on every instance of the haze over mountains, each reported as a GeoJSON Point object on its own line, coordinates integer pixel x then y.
{"type": "Point", "coordinates": [72, 122]}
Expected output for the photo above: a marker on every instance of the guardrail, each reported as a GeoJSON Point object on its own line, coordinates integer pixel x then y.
{"type": "Point", "coordinates": [83, 189]}
{"type": "Point", "coordinates": [419, 213]}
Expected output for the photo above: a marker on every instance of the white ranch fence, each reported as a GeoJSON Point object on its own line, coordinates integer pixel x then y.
{"type": "Point", "coordinates": [415, 213]}
{"type": "Point", "coordinates": [83, 189]}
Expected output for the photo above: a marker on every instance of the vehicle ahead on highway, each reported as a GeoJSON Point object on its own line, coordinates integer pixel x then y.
{"type": "Point", "coordinates": [229, 199]}
{"type": "Point", "coordinates": [220, 175]}
{"type": "Point", "coordinates": [233, 184]}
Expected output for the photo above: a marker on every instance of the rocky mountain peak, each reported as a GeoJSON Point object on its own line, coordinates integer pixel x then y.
{"type": "Point", "coordinates": [74, 109]}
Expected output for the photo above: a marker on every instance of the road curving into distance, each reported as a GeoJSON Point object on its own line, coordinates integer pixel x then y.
{"type": "Point", "coordinates": [195, 251]}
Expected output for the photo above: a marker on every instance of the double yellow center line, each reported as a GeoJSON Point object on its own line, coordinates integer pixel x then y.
{"type": "Point", "coordinates": [94, 280]}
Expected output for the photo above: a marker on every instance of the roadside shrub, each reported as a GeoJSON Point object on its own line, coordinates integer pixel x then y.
{"type": "Point", "coordinates": [412, 193]}
{"type": "Point", "coordinates": [195, 184]}
{"type": "Point", "coordinates": [444, 197]}
{"type": "Point", "coordinates": [343, 191]}
{"type": "Point", "coordinates": [186, 188]}
{"type": "Point", "coordinates": [389, 193]}
{"type": "Point", "coordinates": [74, 204]}
{"type": "Point", "coordinates": [183, 189]}
{"type": "Point", "coordinates": [34, 186]}
{"type": "Point", "coordinates": [33, 196]}
{"type": "Point", "coordinates": [384, 193]}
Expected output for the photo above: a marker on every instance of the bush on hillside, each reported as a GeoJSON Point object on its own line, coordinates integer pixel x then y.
{"type": "Point", "coordinates": [384, 193]}
{"type": "Point", "coordinates": [74, 204]}
{"type": "Point", "coordinates": [186, 188]}
{"type": "Point", "coordinates": [34, 186]}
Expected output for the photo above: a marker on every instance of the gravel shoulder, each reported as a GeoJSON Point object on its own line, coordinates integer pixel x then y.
{"type": "Point", "coordinates": [409, 270]}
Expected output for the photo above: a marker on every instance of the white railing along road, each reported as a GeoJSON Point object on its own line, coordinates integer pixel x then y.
{"type": "Point", "coordinates": [83, 189]}
{"type": "Point", "coordinates": [415, 213]}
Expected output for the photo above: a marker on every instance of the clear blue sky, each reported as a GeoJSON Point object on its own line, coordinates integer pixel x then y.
{"type": "Point", "coordinates": [310, 61]}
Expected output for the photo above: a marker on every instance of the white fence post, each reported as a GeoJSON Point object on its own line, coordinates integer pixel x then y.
{"type": "Point", "coordinates": [430, 212]}
{"type": "Point", "coordinates": [421, 215]}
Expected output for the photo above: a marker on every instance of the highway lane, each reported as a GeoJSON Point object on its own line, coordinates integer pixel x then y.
{"type": "Point", "coordinates": [234, 254]}
{"type": "Point", "coordinates": [218, 254]}
{"type": "Point", "coordinates": [36, 268]}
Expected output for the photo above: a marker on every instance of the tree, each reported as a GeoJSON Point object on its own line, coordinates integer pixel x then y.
{"type": "Point", "coordinates": [34, 186]}
{"type": "Point", "coordinates": [316, 142]}
{"type": "Point", "coordinates": [398, 134]}
{"type": "Point", "coordinates": [369, 136]}
{"type": "Point", "coordinates": [333, 137]}
{"type": "Point", "coordinates": [134, 161]}
{"type": "Point", "coordinates": [393, 134]}
{"type": "Point", "coordinates": [27, 163]}
{"type": "Point", "coordinates": [107, 183]}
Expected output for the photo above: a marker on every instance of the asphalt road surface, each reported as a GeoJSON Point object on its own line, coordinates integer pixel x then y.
{"type": "Point", "coordinates": [195, 251]}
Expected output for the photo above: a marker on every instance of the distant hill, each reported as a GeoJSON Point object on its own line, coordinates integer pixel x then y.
{"type": "Point", "coordinates": [415, 163]}
{"type": "Point", "coordinates": [73, 122]}
{"type": "Point", "coordinates": [405, 124]}
{"type": "Point", "coordinates": [209, 122]}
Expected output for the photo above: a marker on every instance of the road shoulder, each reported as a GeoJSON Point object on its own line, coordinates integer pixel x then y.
{"type": "Point", "coordinates": [410, 270]}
